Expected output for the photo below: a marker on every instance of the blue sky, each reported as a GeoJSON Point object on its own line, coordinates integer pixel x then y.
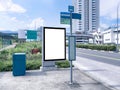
{"type": "Point", "coordinates": [28, 14]}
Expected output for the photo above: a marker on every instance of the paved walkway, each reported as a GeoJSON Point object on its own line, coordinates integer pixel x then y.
{"type": "Point", "coordinates": [107, 74]}
{"type": "Point", "coordinates": [10, 46]}
{"type": "Point", "coordinates": [49, 80]}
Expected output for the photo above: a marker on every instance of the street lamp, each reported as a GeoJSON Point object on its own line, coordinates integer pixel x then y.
{"type": "Point", "coordinates": [117, 26]}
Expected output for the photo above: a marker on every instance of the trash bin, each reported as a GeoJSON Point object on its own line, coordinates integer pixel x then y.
{"type": "Point", "coordinates": [19, 64]}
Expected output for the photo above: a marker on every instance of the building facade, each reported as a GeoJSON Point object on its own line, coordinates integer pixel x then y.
{"type": "Point", "coordinates": [89, 10]}
{"type": "Point", "coordinates": [98, 37]}
{"type": "Point", "coordinates": [110, 36]}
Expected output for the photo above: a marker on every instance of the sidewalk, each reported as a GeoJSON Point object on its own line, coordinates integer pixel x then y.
{"type": "Point", "coordinates": [49, 80]}
{"type": "Point", "coordinates": [108, 74]}
{"type": "Point", "coordinates": [10, 46]}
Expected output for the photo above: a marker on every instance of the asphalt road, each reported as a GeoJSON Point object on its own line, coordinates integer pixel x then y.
{"type": "Point", "coordinates": [101, 56]}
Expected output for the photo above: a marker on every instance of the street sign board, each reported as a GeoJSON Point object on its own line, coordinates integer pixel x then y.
{"type": "Point", "coordinates": [31, 34]}
{"type": "Point", "coordinates": [54, 44]}
{"type": "Point", "coordinates": [65, 17]}
{"type": "Point", "coordinates": [65, 21]}
{"type": "Point", "coordinates": [71, 8]}
{"type": "Point", "coordinates": [76, 16]}
{"type": "Point", "coordinates": [72, 48]}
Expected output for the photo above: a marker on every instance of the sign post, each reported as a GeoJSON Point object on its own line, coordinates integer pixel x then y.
{"type": "Point", "coordinates": [71, 9]}
{"type": "Point", "coordinates": [66, 18]}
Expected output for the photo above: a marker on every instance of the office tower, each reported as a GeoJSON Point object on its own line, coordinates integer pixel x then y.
{"type": "Point", "coordinates": [89, 10]}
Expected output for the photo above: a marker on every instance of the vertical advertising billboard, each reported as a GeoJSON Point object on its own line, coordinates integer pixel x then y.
{"type": "Point", "coordinates": [54, 44]}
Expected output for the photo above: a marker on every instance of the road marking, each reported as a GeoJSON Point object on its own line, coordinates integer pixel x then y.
{"type": "Point", "coordinates": [100, 56]}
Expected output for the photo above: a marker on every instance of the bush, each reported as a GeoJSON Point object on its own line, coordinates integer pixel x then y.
{"type": "Point", "coordinates": [33, 64]}
{"type": "Point", "coordinates": [97, 47]}
{"type": "Point", "coordinates": [33, 61]}
{"type": "Point", "coordinates": [6, 66]}
{"type": "Point", "coordinates": [63, 64]}
{"type": "Point", "coordinates": [34, 56]}
{"type": "Point", "coordinates": [4, 55]}
{"type": "Point", "coordinates": [30, 65]}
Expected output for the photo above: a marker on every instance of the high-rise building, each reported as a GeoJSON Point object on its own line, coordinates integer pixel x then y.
{"type": "Point", "coordinates": [89, 10]}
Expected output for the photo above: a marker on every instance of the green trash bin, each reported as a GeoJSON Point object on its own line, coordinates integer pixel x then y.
{"type": "Point", "coordinates": [19, 64]}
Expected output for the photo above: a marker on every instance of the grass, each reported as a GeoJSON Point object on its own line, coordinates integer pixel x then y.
{"type": "Point", "coordinates": [0, 42]}
{"type": "Point", "coordinates": [63, 64]}
{"type": "Point", "coordinates": [33, 64]}
{"type": "Point", "coordinates": [33, 61]}
{"type": "Point", "coordinates": [6, 65]}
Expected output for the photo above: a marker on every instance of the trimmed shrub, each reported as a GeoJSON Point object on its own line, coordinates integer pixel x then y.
{"type": "Point", "coordinates": [97, 47]}
{"type": "Point", "coordinates": [63, 64]}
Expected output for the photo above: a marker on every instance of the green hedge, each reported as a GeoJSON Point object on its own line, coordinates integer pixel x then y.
{"type": "Point", "coordinates": [97, 47]}
{"type": "Point", "coordinates": [63, 64]}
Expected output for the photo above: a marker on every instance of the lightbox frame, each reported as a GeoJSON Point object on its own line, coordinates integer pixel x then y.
{"type": "Point", "coordinates": [43, 33]}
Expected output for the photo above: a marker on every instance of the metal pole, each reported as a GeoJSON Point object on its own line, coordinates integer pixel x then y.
{"type": "Point", "coordinates": [117, 26]}
{"type": "Point", "coordinates": [71, 73]}
{"type": "Point", "coordinates": [2, 41]}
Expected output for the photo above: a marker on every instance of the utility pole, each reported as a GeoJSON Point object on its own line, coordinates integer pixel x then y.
{"type": "Point", "coordinates": [117, 26]}
{"type": "Point", "coordinates": [71, 69]}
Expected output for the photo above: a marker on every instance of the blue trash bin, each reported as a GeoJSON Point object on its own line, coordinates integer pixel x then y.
{"type": "Point", "coordinates": [19, 64]}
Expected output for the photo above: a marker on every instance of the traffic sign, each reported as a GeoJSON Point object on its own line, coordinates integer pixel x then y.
{"type": "Point", "coordinates": [71, 8]}
{"type": "Point", "coordinates": [76, 16]}
{"type": "Point", "coordinates": [31, 34]}
{"type": "Point", "coordinates": [65, 21]}
{"type": "Point", "coordinates": [65, 17]}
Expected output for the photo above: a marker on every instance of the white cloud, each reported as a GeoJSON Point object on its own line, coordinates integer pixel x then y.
{"type": "Point", "coordinates": [9, 6]}
{"type": "Point", "coordinates": [36, 23]}
{"type": "Point", "coordinates": [48, 2]}
{"type": "Point", "coordinates": [2, 28]}
{"type": "Point", "coordinates": [103, 25]}
{"type": "Point", "coordinates": [108, 8]}
{"type": "Point", "coordinates": [11, 23]}
{"type": "Point", "coordinates": [14, 19]}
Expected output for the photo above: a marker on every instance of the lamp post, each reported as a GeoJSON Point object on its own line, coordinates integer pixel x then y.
{"type": "Point", "coordinates": [117, 25]}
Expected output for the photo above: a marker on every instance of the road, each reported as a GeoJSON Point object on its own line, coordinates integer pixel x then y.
{"type": "Point", "coordinates": [103, 66]}
{"type": "Point", "coordinates": [101, 56]}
